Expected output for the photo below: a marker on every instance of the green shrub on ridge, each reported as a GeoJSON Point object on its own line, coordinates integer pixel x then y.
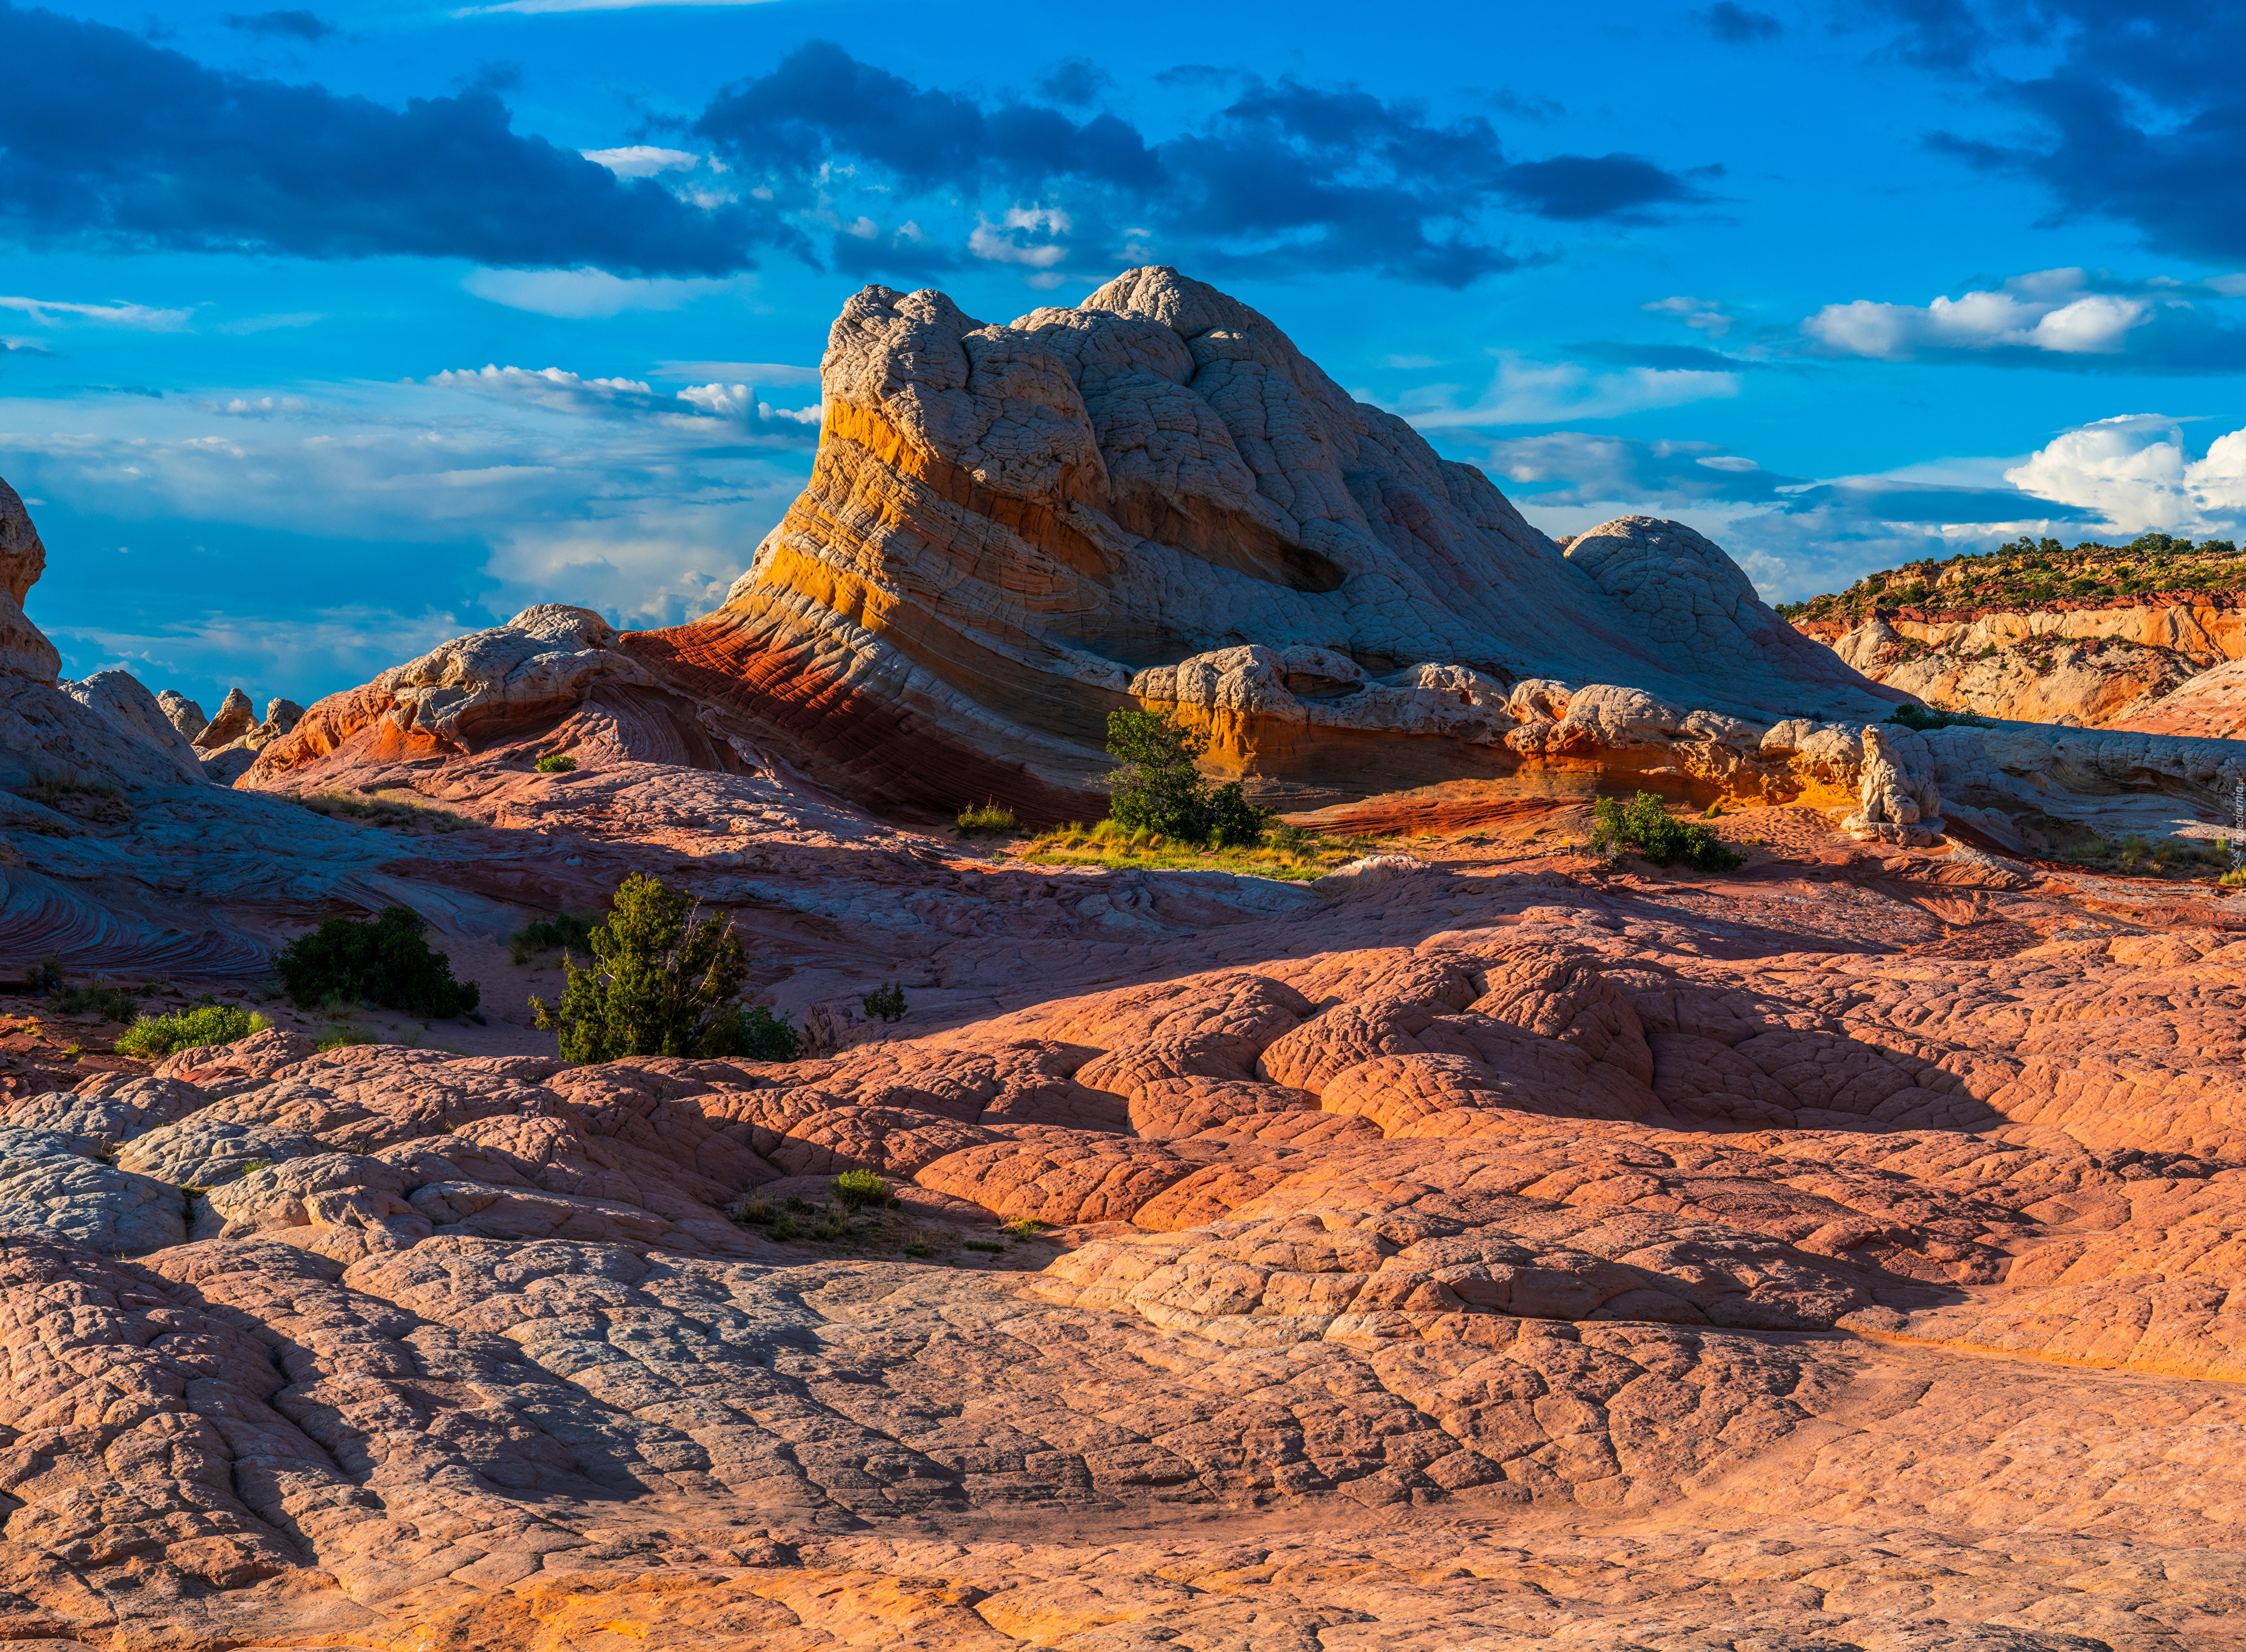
{"type": "Point", "coordinates": [1643, 824]}
{"type": "Point", "coordinates": [152, 1037]}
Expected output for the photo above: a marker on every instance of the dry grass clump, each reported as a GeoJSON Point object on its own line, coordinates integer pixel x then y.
{"type": "Point", "coordinates": [392, 811]}
{"type": "Point", "coordinates": [1289, 853]}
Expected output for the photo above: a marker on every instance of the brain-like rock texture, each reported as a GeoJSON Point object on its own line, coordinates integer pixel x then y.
{"type": "Point", "coordinates": [1551, 1279]}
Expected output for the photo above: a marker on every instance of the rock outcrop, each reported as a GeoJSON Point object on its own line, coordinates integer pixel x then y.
{"type": "Point", "coordinates": [2005, 665]}
{"type": "Point", "coordinates": [24, 650]}
{"type": "Point", "coordinates": [1153, 499]}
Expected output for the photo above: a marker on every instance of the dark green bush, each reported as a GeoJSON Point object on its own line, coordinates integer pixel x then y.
{"type": "Point", "coordinates": [661, 984]}
{"type": "Point", "coordinates": [385, 961]}
{"type": "Point", "coordinates": [885, 1001]}
{"type": "Point", "coordinates": [1644, 825]}
{"type": "Point", "coordinates": [110, 1004]}
{"type": "Point", "coordinates": [1926, 716]}
{"type": "Point", "coordinates": [763, 1035]}
{"type": "Point", "coordinates": [1159, 790]}
{"type": "Point", "coordinates": [555, 762]}
{"type": "Point", "coordinates": [549, 934]}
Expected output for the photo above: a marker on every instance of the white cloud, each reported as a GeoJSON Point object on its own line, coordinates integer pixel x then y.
{"type": "Point", "coordinates": [117, 315]}
{"type": "Point", "coordinates": [550, 387]}
{"type": "Point", "coordinates": [578, 295]}
{"type": "Point", "coordinates": [1016, 240]}
{"type": "Point", "coordinates": [2136, 472]}
{"type": "Point", "coordinates": [641, 160]}
{"type": "Point", "coordinates": [1547, 393]}
{"type": "Point", "coordinates": [2048, 310]}
{"type": "Point", "coordinates": [1706, 315]}
{"type": "Point", "coordinates": [739, 401]}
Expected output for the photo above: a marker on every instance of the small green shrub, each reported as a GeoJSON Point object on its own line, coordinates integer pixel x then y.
{"type": "Point", "coordinates": [555, 762]}
{"type": "Point", "coordinates": [833, 1225]}
{"type": "Point", "coordinates": [47, 975]}
{"type": "Point", "coordinates": [756, 1212]}
{"type": "Point", "coordinates": [859, 1188]}
{"type": "Point", "coordinates": [915, 1247]}
{"type": "Point", "coordinates": [1022, 1227]}
{"type": "Point", "coordinates": [383, 961]}
{"type": "Point", "coordinates": [766, 1037]}
{"type": "Point", "coordinates": [659, 985]}
{"type": "Point", "coordinates": [886, 1002]}
{"type": "Point", "coordinates": [549, 934]}
{"type": "Point", "coordinates": [341, 1033]}
{"type": "Point", "coordinates": [151, 1038]}
{"type": "Point", "coordinates": [783, 1227]}
{"type": "Point", "coordinates": [1924, 717]}
{"type": "Point", "coordinates": [980, 1244]}
{"type": "Point", "coordinates": [1644, 825]}
{"type": "Point", "coordinates": [989, 818]}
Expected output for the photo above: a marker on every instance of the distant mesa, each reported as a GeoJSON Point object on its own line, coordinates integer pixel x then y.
{"type": "Point", "coordinates": [2144, 637]}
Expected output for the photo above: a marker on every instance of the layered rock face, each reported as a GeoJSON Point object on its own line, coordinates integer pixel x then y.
{"type": "Point", "coordinates": [1154, 500]}
{"type": "Point", "coordinates": [2119, 666]}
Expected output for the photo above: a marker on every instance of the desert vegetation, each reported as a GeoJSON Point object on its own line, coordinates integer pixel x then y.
{"type": "Point", "coordinates": [386, 960]}
{"type": "Point", "coordinates": [1158, 789]}
{"type": "Point", "coordinates": [1646, 826]}
{"type": "Point", "coordinates": [2026, 573]}
{"type": "Point", "coordinates": [986, 817]}
{"type": "Point", "coordinates": [152, 1037]}
{"type": "Point", "coordinates": [393, 811]}
{"type": "Point", "coordinates": [1286, 852]}
{"type": "Point", "coordinates": [662, 982]}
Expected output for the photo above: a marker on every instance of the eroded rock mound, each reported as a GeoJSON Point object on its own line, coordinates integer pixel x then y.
{"type": "Point", "coordinates": [1389, 1244]}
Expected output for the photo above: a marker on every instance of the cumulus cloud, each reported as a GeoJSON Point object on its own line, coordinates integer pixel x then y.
{"type": "Point", "coordinates": [120, 142]}
{"type": "Point", "coordinates": [1284, 177]}
{"type": "Point", "coordinates": [1548, 392]}
{"type": "Point", "coordinates": [641, 160]}
{"type": "Point", "coordinates": [2068, 318]}
{"type": "Point", "coordinates": [2136, 472]}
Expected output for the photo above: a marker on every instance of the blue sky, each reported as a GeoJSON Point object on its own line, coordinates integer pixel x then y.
{"type": "Point", "coordinates": [334, 331]}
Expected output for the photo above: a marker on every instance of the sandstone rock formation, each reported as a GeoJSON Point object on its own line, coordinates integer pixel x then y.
{"type": "Point", "coordinates": [1492, 1247]}
{"type": "Point", "coordinates": [1154, 498]}
{"type": "Point", "coordinates": [1623, 1295]}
